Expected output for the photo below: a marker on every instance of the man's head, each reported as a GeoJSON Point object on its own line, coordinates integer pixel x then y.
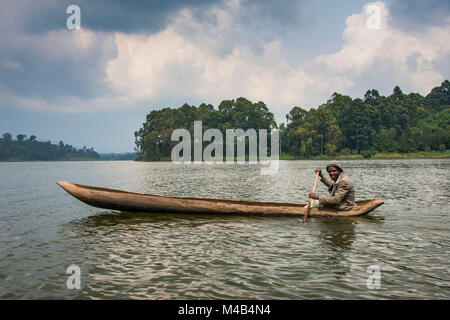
{"type": "Point", "coordinates": [334, 169]}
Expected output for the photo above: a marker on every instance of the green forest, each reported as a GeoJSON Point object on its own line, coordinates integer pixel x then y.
{"type": "Point", "coordinates": [23, 149]}
{"type": "Point", "coordinates": [153, 140]}
{"type": "Point", "coordinates": [399, 123]}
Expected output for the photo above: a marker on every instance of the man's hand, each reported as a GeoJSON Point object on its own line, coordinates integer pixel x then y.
{"type": "Point", "coordinates": [313, 196]}
{"type": "Point", "coordinates": [319, 171]}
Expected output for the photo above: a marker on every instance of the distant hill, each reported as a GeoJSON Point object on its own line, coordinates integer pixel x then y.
{"type": "Point", "coordinates": [23, 149]}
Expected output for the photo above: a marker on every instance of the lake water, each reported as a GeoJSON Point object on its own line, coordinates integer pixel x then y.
{"type": "Point", "coordinates": [44, 230]}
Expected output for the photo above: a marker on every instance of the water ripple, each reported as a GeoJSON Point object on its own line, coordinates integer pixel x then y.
{"type": "Point", "coordinates": [181, 256]}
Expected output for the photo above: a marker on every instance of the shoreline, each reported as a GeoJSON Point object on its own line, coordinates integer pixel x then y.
{"type": "Point", "coordinates": [284, 156]}
{"type": "Point", "coordinates": [377, 156]}
{"type": "Point", "coordinates": [393, 155]}
{"type": "Point", "coordinates": [63, 160]}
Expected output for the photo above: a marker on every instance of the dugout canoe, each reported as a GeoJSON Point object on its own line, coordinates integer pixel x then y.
{"type": "Point", "coordinates": [138, 202]}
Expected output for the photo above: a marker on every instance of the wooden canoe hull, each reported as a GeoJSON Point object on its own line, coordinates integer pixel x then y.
{"type": "Point", "coordinates": [137, 202]}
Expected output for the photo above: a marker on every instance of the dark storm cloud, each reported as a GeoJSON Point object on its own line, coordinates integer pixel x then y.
{"type": "Point", "coordinates": [105, 15]}
{"type": "Point", "coordinates": [281, 12]}
{"type": "Point", "coordinates": [55, 65]}
{"type": "Point", "coordinates": [133, 15]}
{"type": "Point", "coordinates": [417, 14]}
{"type": "Point", "coordinates": [40, 57]}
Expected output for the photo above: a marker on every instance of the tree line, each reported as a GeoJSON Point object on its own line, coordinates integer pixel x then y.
{"type": "Point", "coordinates": [153, 140]}
{"type": "Point", "coordinates": [23, 149]}
{"type": "Point", "coordinates": [397, 123]}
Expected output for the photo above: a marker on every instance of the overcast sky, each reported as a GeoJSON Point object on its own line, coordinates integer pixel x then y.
{"type": "Point", "coordinates": [93, 86]}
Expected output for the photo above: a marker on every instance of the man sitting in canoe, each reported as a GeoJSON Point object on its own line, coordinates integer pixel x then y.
{"type": "Point", "coordinates": [342, 193]}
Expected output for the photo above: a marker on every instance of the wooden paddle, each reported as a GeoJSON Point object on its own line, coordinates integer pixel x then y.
{"type": "Point", "coordinates": [308, 208]}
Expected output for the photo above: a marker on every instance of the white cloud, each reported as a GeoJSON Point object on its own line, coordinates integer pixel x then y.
{"type": "Point", "coordinates": [365, 49]}
{"type": "Point", "coordinates": [217, 59]}
{"type": "Point", "coordinates": [176, 63]}
{"type": "Point", "coordinates": [206, 62]}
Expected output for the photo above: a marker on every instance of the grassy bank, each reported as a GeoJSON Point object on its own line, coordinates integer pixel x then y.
{"type": "Point", "coordinates": [378, 155]}
{"type": "Point", "coordinates": [393, 155]}
{"type": "Point", "coordinates": [414, 155]}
